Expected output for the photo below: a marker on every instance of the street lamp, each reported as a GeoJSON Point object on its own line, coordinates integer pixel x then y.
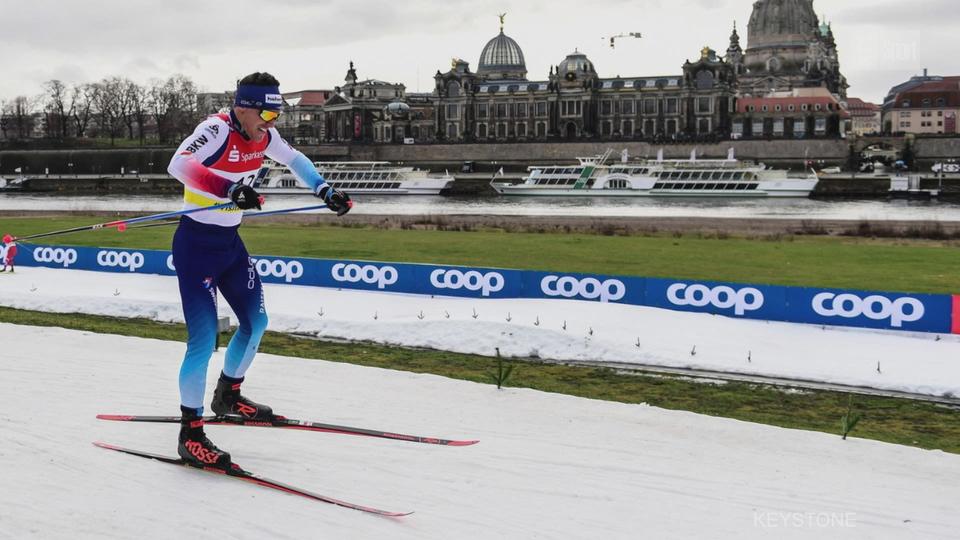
{"type": "Point", "coordinates": [71, 167]}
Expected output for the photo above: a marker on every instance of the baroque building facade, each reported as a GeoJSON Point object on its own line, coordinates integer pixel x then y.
{"type": "Point", "coordinates": [372, 110]}
{"type": "Point", "coordinates": [790, 55]}
{"type": "Point", "coordinates": [499, 103]}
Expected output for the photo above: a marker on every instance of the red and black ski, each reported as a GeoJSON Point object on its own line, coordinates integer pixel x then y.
{"type": "Point", "coordinates": [247, 476]}
{"type": "Point", "coordinates": [290, 423]}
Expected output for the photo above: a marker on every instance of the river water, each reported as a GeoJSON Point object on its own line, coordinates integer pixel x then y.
{"type": "Point", "coordinates": [515, 206]}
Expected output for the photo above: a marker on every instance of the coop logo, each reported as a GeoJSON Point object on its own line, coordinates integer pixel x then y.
{"type": "Point", "coordinates": [285, 270]}
{"type": "Point", "coordinates": [123, 259]}
{"type": "Point", "coordinates": [589, 288]}
{"type": "Point", "coordinates": [874, 307]}
{"type": "Point", "coordinates": [720, 297]}
{"type": "Point", "coordinates": [368, 273]}
{"type": "Point", "coordinates": [470, 280]}
{"type": "Point", "coordinates": [170, 263]}
{"type": "Point", "coordinates": [66, 257]}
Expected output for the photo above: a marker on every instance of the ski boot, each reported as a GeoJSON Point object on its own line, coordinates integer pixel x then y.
{"type": "Point", "coordinates": [228, 401]}
{"type": "Point", "coordinates": [194, 446]}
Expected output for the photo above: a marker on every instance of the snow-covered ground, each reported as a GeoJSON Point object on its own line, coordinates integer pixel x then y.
{"type": "Point", "coordinates": [548, 465]}
{"type": "Point", "coordinates": [554, 329]}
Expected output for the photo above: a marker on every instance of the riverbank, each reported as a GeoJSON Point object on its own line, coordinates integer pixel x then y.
{"type": "Point", "coordinates": [704, 227]}
{"type": "Point", "coordinates": [466, 184]}
{"type": "Point", "coordinates": [490, 157]}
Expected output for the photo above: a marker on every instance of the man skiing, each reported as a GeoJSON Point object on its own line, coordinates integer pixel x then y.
{"type": "Point", "coordinates": [217, 164]}
{"type": "Point", "coordinates": [11, 245]}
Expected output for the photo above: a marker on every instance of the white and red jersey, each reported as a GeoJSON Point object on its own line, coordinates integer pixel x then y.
{"type": "Point", "coordinates": [216, 156]}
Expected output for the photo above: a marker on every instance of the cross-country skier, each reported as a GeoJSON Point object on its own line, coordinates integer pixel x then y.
{"type": "Point", "coordinates": [11, 244]}
{"type": "Point", "coordinates": [218, 164]}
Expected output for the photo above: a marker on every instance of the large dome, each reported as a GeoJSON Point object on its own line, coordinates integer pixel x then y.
{"type": "Point", "coordinates": [502, 59]}
{"type": "Point", "coordinates": [576, 66]}
{"type": "Point", "coordinates": [781, 22]}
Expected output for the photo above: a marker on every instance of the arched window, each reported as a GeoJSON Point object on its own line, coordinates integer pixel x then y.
{"type": "Point", "coordinates": [453, 89]}
{"type": "Point", "coordinates": [705, 80]}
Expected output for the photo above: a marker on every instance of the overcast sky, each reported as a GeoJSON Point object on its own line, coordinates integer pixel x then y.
{"type": "Point", "coordinates": [307, 44]}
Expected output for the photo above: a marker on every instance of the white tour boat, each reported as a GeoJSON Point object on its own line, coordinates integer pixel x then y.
{"type": "Point", "coordinates": [12, 184]}
{"type": "Point", "coordinates": [354, 177]}
{"type": "Point", "coordinates": [594, 177]}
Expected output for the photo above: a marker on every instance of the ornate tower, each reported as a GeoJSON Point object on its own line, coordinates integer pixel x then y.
{"type": "Point", "coordinates": [735, 52]}
{"type": "Point", "coordinates": [788, 48]}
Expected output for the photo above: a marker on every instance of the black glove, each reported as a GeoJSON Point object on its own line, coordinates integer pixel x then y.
{"type": "Point", "coordinates": [336, 200]}
{"type": "Point", "coordinates": [244, 196]}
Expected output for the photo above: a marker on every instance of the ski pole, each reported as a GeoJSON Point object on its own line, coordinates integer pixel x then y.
{"type": "Point", "coordinates": [245, 214]}
{"type": "Point", "coordinates": [121, 224]}
{"type": "Point", "coordinates": [285, 210]}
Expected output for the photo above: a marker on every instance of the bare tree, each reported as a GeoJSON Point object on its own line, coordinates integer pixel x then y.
{"type": "Point", "coordinates": [160, 103]}
{"type": "Point", "coordinates": [110, 103]}
{"type": "Point", "coordinates": [57, 107]}
{"type": "Point", "coordinates": [173, 104]}
{"type": "Point", "coordinates": [124, 104]}
{"type": "Point", "coordinates": [137, 101]}
{"type": "Point", "coordinates": [4, 120]}
{"type": "Point", "coordinates": [82, 99]}
{"type": "Point", "coordinates": [19, 116]}
{"type": "Point", "coordinates": [189, 111]}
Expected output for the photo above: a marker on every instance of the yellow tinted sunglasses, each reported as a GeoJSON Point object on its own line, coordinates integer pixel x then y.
{"type": "Point", "coordinates": [268, 115]}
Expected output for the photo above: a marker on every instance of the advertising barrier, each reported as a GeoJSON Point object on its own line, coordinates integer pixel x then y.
{"type": "Point", "coordinates": [732, 299]}
{"type": "Point", "coordinates": [938, 313]}
{"type": "Point", "coordinates": [897, 311]}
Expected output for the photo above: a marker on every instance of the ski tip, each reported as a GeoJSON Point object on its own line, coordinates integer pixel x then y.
{"type": "Point", "coordinates": [108, 446]}
{"type": "Point", "coordinates": [118, 417]}
{"type": "Point", "coordinates": [462, 443]}
{"type": "Point", "coordinates": [396, 514]}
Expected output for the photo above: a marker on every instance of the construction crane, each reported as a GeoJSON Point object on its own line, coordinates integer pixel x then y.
{"type": "Point", "coordinates": [613, 39]}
